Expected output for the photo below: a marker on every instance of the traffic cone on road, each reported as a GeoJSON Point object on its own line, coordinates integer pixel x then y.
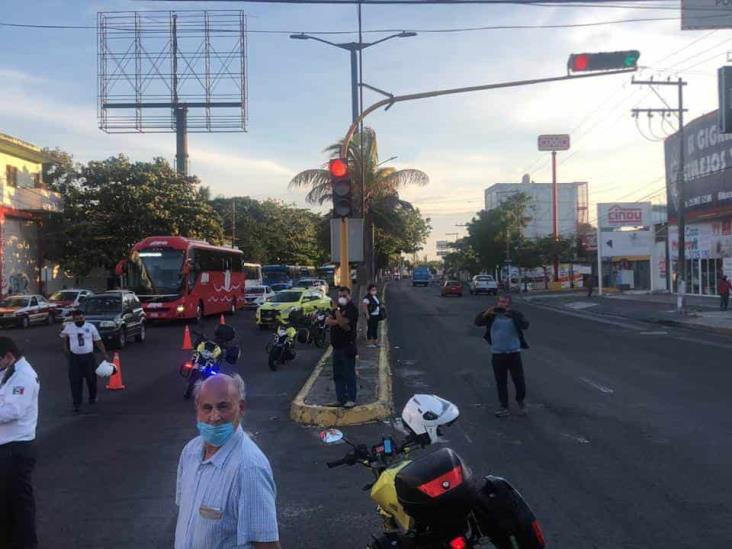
{"type": "Point", "coordinates": [115, 382]}
{"type": "Point", "coordinates": [222, 320]}
{"type": "Point", "coordinates": [187, 344]}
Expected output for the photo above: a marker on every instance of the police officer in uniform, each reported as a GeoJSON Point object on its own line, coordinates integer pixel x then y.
{"type": "Point", "coordinates": [79, 340]}
{"type": "Point", "coordinates": [19, 389]}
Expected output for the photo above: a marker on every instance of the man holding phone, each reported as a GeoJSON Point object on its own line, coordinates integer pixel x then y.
{"type": "Point", "coordinates": [505, 334]}
{"type": "Point", "coordinates": [343, 339]}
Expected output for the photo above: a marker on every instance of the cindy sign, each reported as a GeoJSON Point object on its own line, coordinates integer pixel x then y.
{"type": "Point", "coordinates": [624, 214]}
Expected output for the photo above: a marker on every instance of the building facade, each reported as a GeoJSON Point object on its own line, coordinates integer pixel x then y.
{"type": "Point", "coordinates": [572, 205]}
{"type": "Point", "coordinates": [26, 201]}
{"type": "Point", "coordinates": [707, 182]}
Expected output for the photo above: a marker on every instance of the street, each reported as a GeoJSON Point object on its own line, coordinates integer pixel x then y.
{"type": "Point", "coordinates": [627, 442]}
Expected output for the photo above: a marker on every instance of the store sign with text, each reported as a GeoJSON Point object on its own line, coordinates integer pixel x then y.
{"type": "Point", "coordinates": [624, 214]}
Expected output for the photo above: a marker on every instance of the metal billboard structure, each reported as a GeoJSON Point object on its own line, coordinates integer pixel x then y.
{"type": "Point", "coordinates": [172, 71]}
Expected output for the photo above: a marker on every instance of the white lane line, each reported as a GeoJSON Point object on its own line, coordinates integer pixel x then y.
{"type": "Point", "coordinates": [657, 333]}
{"type": "Point", "coordinates": [595, 385]}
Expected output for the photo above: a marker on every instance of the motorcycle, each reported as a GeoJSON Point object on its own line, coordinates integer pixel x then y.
{"type": "Point", "coordinates": [282, 346]}
{"type": "Point", "coordinates": [207, 356]}
{"type": "Point", "coordinates": [319, 329]}
{"type": "Point", "coordinates": [434, 501]}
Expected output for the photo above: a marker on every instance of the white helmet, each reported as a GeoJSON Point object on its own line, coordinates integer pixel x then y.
{"type": "Point", "coordinates": [424, 414]}
{"type": "Point", "coordinates": [105, 369]}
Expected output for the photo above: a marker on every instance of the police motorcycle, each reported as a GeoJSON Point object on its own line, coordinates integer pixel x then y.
{"type": "Point", "coordinates": [281, 347]}
{"type": "Point", "coordinates": [208, 356]}
{"type": "Point", "coordinates": [318, 328]}
{"type": "Point", "coordinates": [434, 501]}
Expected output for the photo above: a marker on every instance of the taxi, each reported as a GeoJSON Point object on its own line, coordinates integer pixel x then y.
{"type": "Point", "coordinates": [284, 303]}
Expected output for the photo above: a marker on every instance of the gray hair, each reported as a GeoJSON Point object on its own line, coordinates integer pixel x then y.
{"type": "Point", "coordinates": [234, 379]}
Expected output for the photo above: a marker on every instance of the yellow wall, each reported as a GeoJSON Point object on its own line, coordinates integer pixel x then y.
{"type": "Point", "coordinates": [26, 169]}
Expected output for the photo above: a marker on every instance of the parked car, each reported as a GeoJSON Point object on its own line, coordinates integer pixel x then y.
{"type": "Point", "coordinates": [314, 283]}
{"type": "Point", "coordinates": [452, 287]}
{"type": "Point", "coordinates": [421, 276]}
{"type": "Point", "coordinates": [257, 296]}
{"type": "Point", "coordinates": [24, 310]}
{"type": "Point", "coordinates": [286, 302]}
{"type": "Point", "coordinates": [68, 300]}
{"type": "Point", "coordinates": [118, 316]}
{"type": "Point", "coordinates": [483, 284]}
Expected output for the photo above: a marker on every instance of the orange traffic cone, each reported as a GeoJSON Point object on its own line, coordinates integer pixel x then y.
{"type": "Point", "coordinates": [115, 382]}
{"type": "Point", "coordinates": [222, 320]}
{"type": "Point", "coordinates": [187, 344]}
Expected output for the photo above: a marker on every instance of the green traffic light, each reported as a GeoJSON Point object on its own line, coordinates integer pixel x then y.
{"type": "Point", "coordinates": [631, 58]}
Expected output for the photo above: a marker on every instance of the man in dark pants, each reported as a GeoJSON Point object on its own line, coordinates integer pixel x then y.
{"type": "Point", "coordinates": [723, 288]}
{"type": "Point", "coordinates": [505, 333]}
{"type": "Point", "coordinates": [79, 340]}
{"type": "Point", "coordinates": [343, 339]}
{"type": "Point", "coordinates": [19, 389]}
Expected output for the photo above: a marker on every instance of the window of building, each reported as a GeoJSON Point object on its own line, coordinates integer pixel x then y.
{"type": "Point", "coordinates": [11, 176]}
{"type": "Point", "coordinates": [37, 183]}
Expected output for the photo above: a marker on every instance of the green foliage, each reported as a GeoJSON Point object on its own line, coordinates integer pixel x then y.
{"type": "Point", "coordinates": [111, 204]}
{"type": "Point", "coordinates": [272, 232]}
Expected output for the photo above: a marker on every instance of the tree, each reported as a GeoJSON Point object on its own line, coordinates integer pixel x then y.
{"type": "Point", "coordinates": [111, 204]}
{"type": "Point", "coordinates": [272, 232]}
{"type": "Point", "coordinates": [379, 183]}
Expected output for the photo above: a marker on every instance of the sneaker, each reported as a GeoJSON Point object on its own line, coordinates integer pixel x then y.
{"type": "Point", "coordinates": [522, 409]}
{"type": "Point", "coordinates": [503, 412]}
{"type": "Point", "coordinates": [349, 404]}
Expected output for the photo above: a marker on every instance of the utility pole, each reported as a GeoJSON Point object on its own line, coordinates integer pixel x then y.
{"type": "Point", "coordinates": [681, 281]}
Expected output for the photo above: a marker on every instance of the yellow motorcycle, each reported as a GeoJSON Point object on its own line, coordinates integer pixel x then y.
{"type": "Point", "coordinates": [434, 501]}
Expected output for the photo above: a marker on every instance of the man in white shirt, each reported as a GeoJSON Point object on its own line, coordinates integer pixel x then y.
{"type": "Point", "coordinates": [80, 337]}
{"type": "Point", "coordinates": [19, 389]}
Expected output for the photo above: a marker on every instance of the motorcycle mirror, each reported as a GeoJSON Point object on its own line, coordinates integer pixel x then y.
{"type": "Point", "coordinates": [331, 436]}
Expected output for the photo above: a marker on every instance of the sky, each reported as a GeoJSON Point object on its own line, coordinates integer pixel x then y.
{"type": "Point", "coordinates": [299, 97]}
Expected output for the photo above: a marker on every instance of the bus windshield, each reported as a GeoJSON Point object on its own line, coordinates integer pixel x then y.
{"type": "Point", "coordinates": [276, 276]}
{"type": "Point", "coordinates": [156, 271]}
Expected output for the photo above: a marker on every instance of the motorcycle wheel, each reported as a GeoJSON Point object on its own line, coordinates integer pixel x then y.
{"type": "Point", "coordinates": [319, 338]}
{"type": "Point", "coordinates": [274, 357]}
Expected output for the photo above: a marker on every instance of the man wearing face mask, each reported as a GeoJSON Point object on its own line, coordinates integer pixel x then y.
{"type": "Point", "coordinates": [343, 339]}
{"type": "Point", "coordinates": [80, 337]}
{"type": "Point", "coordinates": [19, 389]}
{"type": "Point", "coordinates": [225, 492]}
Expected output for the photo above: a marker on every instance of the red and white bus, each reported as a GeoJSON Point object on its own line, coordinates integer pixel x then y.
{"type": "Point", "coordinates": [176, 277]}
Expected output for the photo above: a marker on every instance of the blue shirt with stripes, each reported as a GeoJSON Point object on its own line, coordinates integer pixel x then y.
{"type": "Point", "coordinates": [227, 500]}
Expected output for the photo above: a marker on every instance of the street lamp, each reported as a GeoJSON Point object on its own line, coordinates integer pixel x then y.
{"type": "Point", "coordinates": [353, 48]}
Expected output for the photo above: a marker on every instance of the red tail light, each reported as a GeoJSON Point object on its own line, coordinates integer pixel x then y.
{"type": "Point", "coordinates": [459, 543]}
{"type": "Point", "coordinates": [443, 483]}
{"type": "Point", "coordinates": [536, 527]}
{"type": "Point", "coordinates": [188, 365]}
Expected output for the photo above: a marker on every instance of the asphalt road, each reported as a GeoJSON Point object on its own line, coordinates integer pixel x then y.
{"type": "Point", "coordinates": [627, 443]}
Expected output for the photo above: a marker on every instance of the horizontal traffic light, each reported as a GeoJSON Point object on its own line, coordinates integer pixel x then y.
{"type": "Point", "coordinates": [603, 61]}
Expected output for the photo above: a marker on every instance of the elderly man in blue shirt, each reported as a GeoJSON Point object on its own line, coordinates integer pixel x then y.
{"type": "Point", "coordinates": [225, 491]}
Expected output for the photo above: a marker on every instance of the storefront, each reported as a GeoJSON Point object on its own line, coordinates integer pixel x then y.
{"type": "Point", "coordinates": [708, 202]}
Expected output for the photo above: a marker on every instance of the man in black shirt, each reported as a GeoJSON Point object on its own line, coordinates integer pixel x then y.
{"type": "Point", "coordinates": [343, 338]}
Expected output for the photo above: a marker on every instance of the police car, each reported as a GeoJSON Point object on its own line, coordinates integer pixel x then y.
{"type": "Point", "coordinates": [24, 310]}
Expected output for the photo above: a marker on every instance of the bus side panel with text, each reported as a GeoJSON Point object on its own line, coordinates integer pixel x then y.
{"type": "Point", "coordinates": [175, 276]}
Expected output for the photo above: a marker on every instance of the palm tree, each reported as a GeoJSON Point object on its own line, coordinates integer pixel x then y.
{"type": "Point", "coordinates": [381, 184]}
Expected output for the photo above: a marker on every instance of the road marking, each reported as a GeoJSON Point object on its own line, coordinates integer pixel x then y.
{"type": "Point", "coordinates": [579, 305]}
{"type": "Point", "coordinates": [581, 440]}
{"type": "Point", "coordinates": [658, 333]}
{"type": "Point", "coordinates": [601, 388]}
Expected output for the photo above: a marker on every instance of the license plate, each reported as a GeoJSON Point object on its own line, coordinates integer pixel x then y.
{"type": "Point", "coordinates": [154, 315]}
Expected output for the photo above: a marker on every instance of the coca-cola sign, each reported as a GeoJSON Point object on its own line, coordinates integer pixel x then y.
{"type": "Point", "coordinates": [624, 214]}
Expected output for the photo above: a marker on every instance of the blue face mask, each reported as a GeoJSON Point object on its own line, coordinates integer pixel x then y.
{"type": "Point", "coordinates": [215, 435]}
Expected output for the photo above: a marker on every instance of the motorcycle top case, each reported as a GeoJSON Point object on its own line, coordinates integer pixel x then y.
{"type": "Point", "coordinates": [505, 517]}
{"type": "Point", "coordinates": [436, 488]}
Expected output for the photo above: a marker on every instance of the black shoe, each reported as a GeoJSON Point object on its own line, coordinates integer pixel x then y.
{"type": "Point", "coordinates": [76, 410]}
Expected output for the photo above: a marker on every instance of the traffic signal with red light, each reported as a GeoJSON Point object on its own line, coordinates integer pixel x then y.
{"type": "Point", "coordinates": [341, 183]}
{"type": "Point", "coordinates": [603, 61]}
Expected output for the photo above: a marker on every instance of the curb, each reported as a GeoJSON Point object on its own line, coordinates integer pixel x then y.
{"type": "Point", "coordinates": [327, 416]}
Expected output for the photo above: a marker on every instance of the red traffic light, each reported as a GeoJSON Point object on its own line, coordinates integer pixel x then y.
{"type": "Point", "coordinates": [603, 61]}
{"type": "Point", "coordinates": [580, 62]}
{"type": "Point", "coordinates": [338, 167]}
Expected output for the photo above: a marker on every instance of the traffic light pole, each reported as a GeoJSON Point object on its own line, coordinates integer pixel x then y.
{"type": "Point", "coordinates": [555, 214]}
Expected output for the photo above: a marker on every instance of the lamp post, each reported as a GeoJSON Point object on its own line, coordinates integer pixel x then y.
{"type": "Point", "coordinates": [354, 48]}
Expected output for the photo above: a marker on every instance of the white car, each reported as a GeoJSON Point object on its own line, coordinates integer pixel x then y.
{"type": "Point", "coordinates": [314, 284]}
{"type": "Point", "coordinates": [483, 284]}
{"type": "Point", "coordinates": [256, 296]}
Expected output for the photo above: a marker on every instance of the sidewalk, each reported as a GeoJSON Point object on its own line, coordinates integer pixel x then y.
{"type": "Point", "coordinates": [702, 311]}
{"type": "Point", "coordinates": [374, 387]}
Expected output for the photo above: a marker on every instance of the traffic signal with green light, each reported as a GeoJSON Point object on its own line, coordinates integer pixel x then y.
{"type": "Point", "coordinates": [341, 183]}
{"type": "Point", "coordinates": [603, 61]}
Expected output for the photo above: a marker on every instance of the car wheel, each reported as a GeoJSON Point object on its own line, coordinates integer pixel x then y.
{"type": "Point", "coordinates": [122, 338]}
{"type": "Point", "coordinates": [142, 334]}
{"type": "Point", "coordinates": [24, 322]}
